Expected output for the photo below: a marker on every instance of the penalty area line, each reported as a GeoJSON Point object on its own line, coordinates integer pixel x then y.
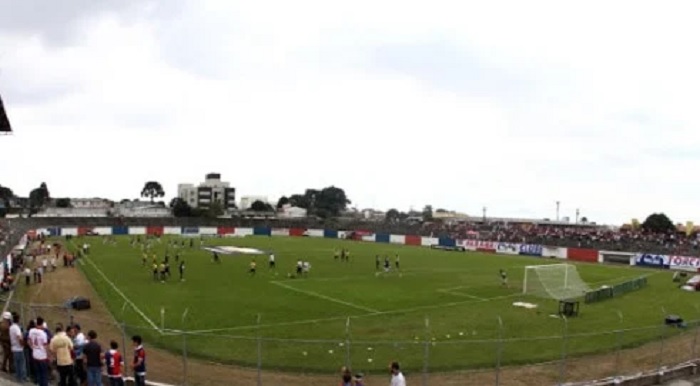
{"type": "Point", "coordinates": [324, 297]}
{"type": "Point", "coordinates": [126, 299]}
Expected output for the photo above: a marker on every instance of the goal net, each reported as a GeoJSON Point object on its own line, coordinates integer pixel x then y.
{"type": "Point", "coordinates": [554, 281]}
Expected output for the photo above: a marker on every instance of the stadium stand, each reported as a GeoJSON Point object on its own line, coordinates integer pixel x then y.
{"type": "Point", "coordinates": [563, 235]}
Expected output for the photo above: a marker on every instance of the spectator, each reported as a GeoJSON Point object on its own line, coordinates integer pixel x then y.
{"type": "Point", "coordinates": [78, 345]}
{"type": "Point", "coordinates": [38, 340]}
{"type": "Point", "coordinates": [62, 347]}
{"type": "Point", "coordinates": [397, 378]}
{"type": "Point", "coordinates": [5, 341]}
{"type": "Point", "coordinates": [17, 346]}
{"type": "Point", "coordinates": [139, 363]}
{"type": "Point", "coordinates": [346, 377]}
{"type": "Point", "coordinates": [114, 362]}
{"type": "Point", "coordinates": [93, 360]}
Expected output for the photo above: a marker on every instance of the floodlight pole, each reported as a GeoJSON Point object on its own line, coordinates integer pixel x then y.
{"type": "Point", "coordinates": [558, 203]}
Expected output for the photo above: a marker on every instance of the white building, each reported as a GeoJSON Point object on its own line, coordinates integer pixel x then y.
{"type": "Point", "coordinates": [211, 190]}
{"type": "Point", "coordinates": [90, 203]}
{"type": "Point", "coordinates": [140, 209]}
{"type": "Point", "coordinates": [288, 211]}
{"type": "Point", "coordinates": [247, 201]}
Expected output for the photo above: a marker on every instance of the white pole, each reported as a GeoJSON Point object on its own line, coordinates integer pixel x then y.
{"type": "Point", "coordinates": [162, 318]}
{"type": "Point", "coordinates": [525, 281]}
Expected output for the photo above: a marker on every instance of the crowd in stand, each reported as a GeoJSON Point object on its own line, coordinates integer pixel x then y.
{"type": "Point", "coordinates": [579, 236]}
{"type": "Point", "coordinates": [570, 235]}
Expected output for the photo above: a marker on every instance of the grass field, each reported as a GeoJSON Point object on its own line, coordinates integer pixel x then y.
{"type": "Point", "coordinates": [304, 321]}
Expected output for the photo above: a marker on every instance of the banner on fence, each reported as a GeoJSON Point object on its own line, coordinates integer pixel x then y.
{"type": "Point", "coordinates": [508, 248]}
{"type": "Point", "coordinates": [530, 250]}
{"type": "Point", "coordinates": [650, 260]}
{"type": "Point", "coordinates": [556, 252]}
{"type": "Point", "coordinates": [479, 245]}
{"type": "Point", "coordinates": [684, 263]}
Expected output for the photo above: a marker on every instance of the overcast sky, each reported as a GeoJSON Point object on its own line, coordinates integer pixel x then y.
{"type": "Point", "coordinates": [507, 105]}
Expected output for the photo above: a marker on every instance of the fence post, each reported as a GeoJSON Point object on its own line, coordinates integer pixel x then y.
{"type": "Point", "coordinates": [618, 345]}
{"type": "Point", "coordinates": [184, 348]}
{"type": "Point", "coordinates": [662, 336]}
{"type": "Point", "coordinates": [259, 339]}
{"type": "Point", "coordinates": [694, 350]}
{"type": "Point", "coordinates": [426, 353]}
{"type": "Point", "coordinates": [348, 361]}
{"type": "Point", "coordinates": [123, 328]}
{"type": "Point", "coordinates": [499, 351]}
{"type": "Point", "coordinates": [562, 363]}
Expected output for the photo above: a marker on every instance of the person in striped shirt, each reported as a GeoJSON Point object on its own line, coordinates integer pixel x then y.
{"type": "Point", "coordinates": [114, 362]}
{"type": "Point", "coordinates": [139, 362]}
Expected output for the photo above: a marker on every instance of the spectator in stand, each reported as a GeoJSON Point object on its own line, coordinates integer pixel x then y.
{"type": "Point", "coordinates": [62, 347]}
{"type": "Point", "coordinates": [397, 378]}
{"type": "Point", "coordinates": [93, 360]}
{"type": "Point", "coordinates": [17, 346]}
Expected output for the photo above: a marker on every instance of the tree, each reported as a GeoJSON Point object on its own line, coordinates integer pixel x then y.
{"type": "Point", "coordinates": [39, 197]}
{"type": "Point", "coordinates": [327, 202]}
{"type": "Point", "coordinates": [5, 195]}
{"type": "Point", "coordinates": [152, 189]}
{"type": "Point", "coordinates": [63, 203]}
{"type": "Point", "coordinates": [658, 223]}
{"type": "Point", "coordinates": [440, 210]}
{"type": "Point", "coordinates": [282, 202]}
{"type": "Point", "coordinates": [584, 220]}
{"type": "Point", "coordinates": [392, 215]}
{"type": "Point", "coordinates": [427, 213]}
{"type": "Point", "coordinates": [180, 207]}
{"type": "Point", "coordinates": [259, 206]}
{"type": "Point", "coordinates": [214, 210]}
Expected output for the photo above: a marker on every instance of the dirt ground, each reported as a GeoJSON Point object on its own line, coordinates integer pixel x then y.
{"type": "Point", "coordinates": [168, 367]}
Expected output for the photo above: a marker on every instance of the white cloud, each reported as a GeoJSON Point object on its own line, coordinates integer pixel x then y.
{"type": "Point", "coordinates": [506, 105]}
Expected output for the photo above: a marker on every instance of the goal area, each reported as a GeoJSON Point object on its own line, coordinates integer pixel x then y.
{"type": "Point", "coordinates": [554, 281]}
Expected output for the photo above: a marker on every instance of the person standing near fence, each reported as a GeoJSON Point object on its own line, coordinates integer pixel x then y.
{"type": "Point", "coordinates": [139, 363]}
{"type": "Point", "coordinates": [114, 362]}
{"type": "Point", "coordinates": [5, 324]}
{"type": "Point", "coordinates": [17, 346]}
{"type": "Point", "coordinates": [397, 378]}
{"type": "Point", "coordinates": [93, 360]}
{"type": "Point", "coordinates": [38, 341]}
{"type": "Point", "coordinates": [62, 347]}
{"type": "Point", "coordinates": [78, 345]}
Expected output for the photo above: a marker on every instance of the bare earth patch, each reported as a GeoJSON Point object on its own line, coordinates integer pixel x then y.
{"type": "Point", "coordinates": [167, 367]}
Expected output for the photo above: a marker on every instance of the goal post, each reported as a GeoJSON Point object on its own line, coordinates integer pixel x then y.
{"type": "Point", "coordinates": [554, 281]}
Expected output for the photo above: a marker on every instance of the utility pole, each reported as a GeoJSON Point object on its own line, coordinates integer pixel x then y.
{"type": "Point", "coordinates": [558, 203]}
{"type": "Point", "coordinates": [483, 211]}
{"type": "Point", "coordinates": [577, 214]}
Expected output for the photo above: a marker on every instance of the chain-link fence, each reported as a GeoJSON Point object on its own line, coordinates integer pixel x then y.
{"type": "Point", "coordinates": [188, 357]}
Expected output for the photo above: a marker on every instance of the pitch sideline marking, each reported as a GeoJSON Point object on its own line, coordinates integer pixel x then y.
{"type": "Point", "coordinates": [321, 296]}
{"type": "Point", "coordinates": [126, 299]}
{"type": "Point", "coordinates": [453, 291]}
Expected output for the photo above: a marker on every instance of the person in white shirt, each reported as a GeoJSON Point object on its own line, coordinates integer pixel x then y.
{"type": "Point", "coordinates": [397, 378]}
{"type": "Point", "coordinates": [272, 260]}
{"type": "Point", "coordinates": [17, 346]}
{"type": "Point", "coordinates": [38, 341]}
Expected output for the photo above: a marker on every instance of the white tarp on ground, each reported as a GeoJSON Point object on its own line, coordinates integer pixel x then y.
{"type": "Point", "coordinates": [231, 250]}
{"type": "Point", "coordinates": [691, 284]}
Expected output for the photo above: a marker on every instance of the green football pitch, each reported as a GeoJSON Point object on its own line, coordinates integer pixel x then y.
{"type": "Point", "coordinates": [446, 305]}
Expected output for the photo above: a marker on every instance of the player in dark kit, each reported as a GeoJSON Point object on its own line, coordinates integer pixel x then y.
{"type": "Point", "coordinates": [215, 258]}
{"type": "Point", "coordinates": [376, 263]}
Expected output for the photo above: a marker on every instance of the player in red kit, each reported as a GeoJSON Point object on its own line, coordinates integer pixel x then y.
{"type": "Point", "coordinates": [114, 362]}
